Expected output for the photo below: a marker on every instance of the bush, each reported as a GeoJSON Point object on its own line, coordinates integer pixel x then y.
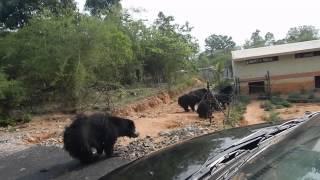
{"type": "Point", "coordinates": [244, 99]}
{"type": "Point", "coordinates": [273, 117]}
{"type": "Point", "coordinates": [236, 114]}
{"type": "Point", "coordinates": [11, 94]}
{"type": "Point", "coordinates": [294, 96]}
{"type": "Point", "coordinates": [267, 105]}
{"type": "Point", "coordinates": [7, 120]}
{"type": "Point", "coordinates": [297, 98]}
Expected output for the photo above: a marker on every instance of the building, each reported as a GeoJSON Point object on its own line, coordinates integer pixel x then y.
{"type": "Point", "coordinates": [290, 67]}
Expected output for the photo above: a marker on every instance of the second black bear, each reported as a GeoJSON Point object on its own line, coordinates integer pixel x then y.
{"type": "Point", "coordinates": [191, 99]}
{"type": "Point", "coordinates": [204, 110]}
{"type": "Point", "coordinates": [96, 132]}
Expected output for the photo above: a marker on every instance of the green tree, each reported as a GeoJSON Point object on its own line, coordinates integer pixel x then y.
{"type": "Point", "coordinates": [16, 13]}
{"type": "Point", "coordinates": [256, 40]}
{"type": "Point", "coordinates": [169, 47]}
{"type": "Point", "coordinates": [215, 42]}
{"type": "Point", "coordinates": [100, 7]}
{"type": "Point", "coordinates": [302, 33]}
{"type": "Point", "coordinates": [269, 39]}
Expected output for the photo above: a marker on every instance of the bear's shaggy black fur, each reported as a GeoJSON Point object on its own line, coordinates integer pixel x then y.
{"type": "Point", "coordinates": [226, 90]}
{"type": "Point", "coordinates": [204, 110]}
{"type": "Point", "coordinates": [191, 99]}
{"type": "Point", "coordinates": [187, 100]}
{"type": "Point", "coordinates": [96, 132]}
{"type": "Point", "coordinates": [224, 96]}
{"type": "Point", "coordinates": [199, 92]}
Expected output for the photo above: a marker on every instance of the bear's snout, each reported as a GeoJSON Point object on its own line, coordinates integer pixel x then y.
{"type": "Point", "coordinates": [135, 134]}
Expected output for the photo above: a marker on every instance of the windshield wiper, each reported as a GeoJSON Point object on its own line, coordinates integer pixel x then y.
{"type": "Point", "coordinates": [228, 161]}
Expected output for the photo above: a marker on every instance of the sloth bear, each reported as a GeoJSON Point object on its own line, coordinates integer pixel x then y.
{"type": "Point", "coordinates": [204, 110]}
{"type": "Point", "coordinates": [187, 100]}
{"type": "Point", "coordinates": [224, 96]}
{"type": "Point", "coordinates": [191, 99]}
{"type": "Point", "coordinates": [89, 136]}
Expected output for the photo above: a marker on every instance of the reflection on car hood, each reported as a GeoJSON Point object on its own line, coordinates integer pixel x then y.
{"type": "Point", "coordinates": [181, 160]}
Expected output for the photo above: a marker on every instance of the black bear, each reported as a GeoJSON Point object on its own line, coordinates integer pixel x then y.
{"type": "Point", "coordinates": [187, 100]}
{"type": "Point", "coordinates": [204, 110]}
{"type": "Point", "coordinates": [199, 92]}
{"type": "Point", "coordinates": [89, 136]}
{"type": "Point", "coordinates": [227, 90]}
{"type": "Point", "coordinates": [191, 99]}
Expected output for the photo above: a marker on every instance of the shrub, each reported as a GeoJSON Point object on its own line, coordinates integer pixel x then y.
{"type": "Point", "coordinates": [286, 104]}
{"type": "Point", "coordinates": [311, 95]}
{"type": "Point", "coordinates": [11, 94]}
{"type": "Point", "coordinates": [244, 99]}
{"type": "Point", "coordinates": [267, 105]}
{"type": "Point", "coordinates": [294, 95]}
{"type": "Point", "coordinates": [273, 117]}
{"type": "Point", "coordinates": [236, 114]}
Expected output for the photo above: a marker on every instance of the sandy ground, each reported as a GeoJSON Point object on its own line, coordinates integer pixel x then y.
{"type": "Point", "coordinates": [297, 110]}
{"type": "Point", "coordinates": [164, 117]}
{"type": "Point", "coordinates": [253, 114]}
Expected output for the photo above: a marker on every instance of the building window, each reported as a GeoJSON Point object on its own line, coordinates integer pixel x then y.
{"type": "Point", "coordinates": [256, 87]}
{"type": "Point", "coordinates": [262, 60]}
{"type": "Point", "coordinates": [307, 54]}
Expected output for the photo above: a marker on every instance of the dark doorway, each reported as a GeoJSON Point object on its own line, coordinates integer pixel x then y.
{"type": "Point", "coordinates": [256, 87]}
{"type": "Point", "coordinates": [317, 81]}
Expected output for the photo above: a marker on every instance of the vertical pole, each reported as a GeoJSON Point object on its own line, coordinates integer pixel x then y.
{"type": "Point", "coordinates": [210, 104]}
{"type": "Point", "coordinates": [268, 85]}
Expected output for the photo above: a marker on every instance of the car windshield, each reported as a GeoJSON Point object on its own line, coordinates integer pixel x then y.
{"type": "Point", "coordinates": [298, 157]}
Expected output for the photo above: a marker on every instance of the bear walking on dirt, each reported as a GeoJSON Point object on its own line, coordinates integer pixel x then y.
{"type": "Point", "coordinates": [191, 99]}
{"type": "Point", "coordinates": [204, 109]}
{"type": "Point", "coordinates": [97, 132]}
{"type": "Point", "coordinates": [187, 100]}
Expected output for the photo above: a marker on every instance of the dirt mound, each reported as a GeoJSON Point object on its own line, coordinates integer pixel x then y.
{"type": "Point", "coordinates": [141, 106]}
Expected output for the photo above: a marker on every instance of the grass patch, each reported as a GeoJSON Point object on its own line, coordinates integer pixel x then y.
{"type": "Point", "coordinates": [272, 117]}
{"type": "Point", "coordinates": [10, 121]}
{"type": "Point", "coordinates": [236, 114]}
{"type": "Point", "coordinates": [276, 102]}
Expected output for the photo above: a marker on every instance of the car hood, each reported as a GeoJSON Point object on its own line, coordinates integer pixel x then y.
{"type": "Point", "coordinates": [181, 160]}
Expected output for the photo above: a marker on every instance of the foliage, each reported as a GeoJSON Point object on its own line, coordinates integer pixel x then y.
{"type": "Point", "coordinates": [273, 117]}
{"type": "Point", "coordinates": [295, 34]}
{"type": "Point", "coordinates": [257, 40]}
{"type": "Point", "coordinates": [168, 48]}
{"type": "Point", "coordinates": [64, 57]}
{"type": "Point", "coordinates": [219, 42]}
{"type": "Point", "coordinates": [11, 94]}
{"type": "Point", "coordinates": [244, 99]}
{"type": "Point", "coordinates": [15, 14]}
{"type": "Point", "coordinates": [100, 7]}
{"type": "Point", "coordinates": [236, 114]}
{"type": "Point", "coordinates": [267, 105]}
{"type": "Point", "coordinates": [276, 102]}
{"type": "Point", "coordinates": [302, 33]}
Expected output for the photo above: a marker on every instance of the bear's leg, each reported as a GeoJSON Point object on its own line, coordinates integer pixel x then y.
{"type": "Point", "coordinates": [192, 107]}
{"type": "Point", "coordinates": [108, 148]}
{"type": "Point", "coordinates": [186, 109]}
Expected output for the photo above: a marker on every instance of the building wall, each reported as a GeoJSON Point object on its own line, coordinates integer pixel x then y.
{"type": "Point", "coordinates": [286, 65]}
{"type": "Point", "coordinates": [287, 75]}
{"type": "Point", "coordinates": [285, 85]}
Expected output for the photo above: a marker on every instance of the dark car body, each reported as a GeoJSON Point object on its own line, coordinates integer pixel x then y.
{"type": "Point", "coordinates": [181, 160]}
